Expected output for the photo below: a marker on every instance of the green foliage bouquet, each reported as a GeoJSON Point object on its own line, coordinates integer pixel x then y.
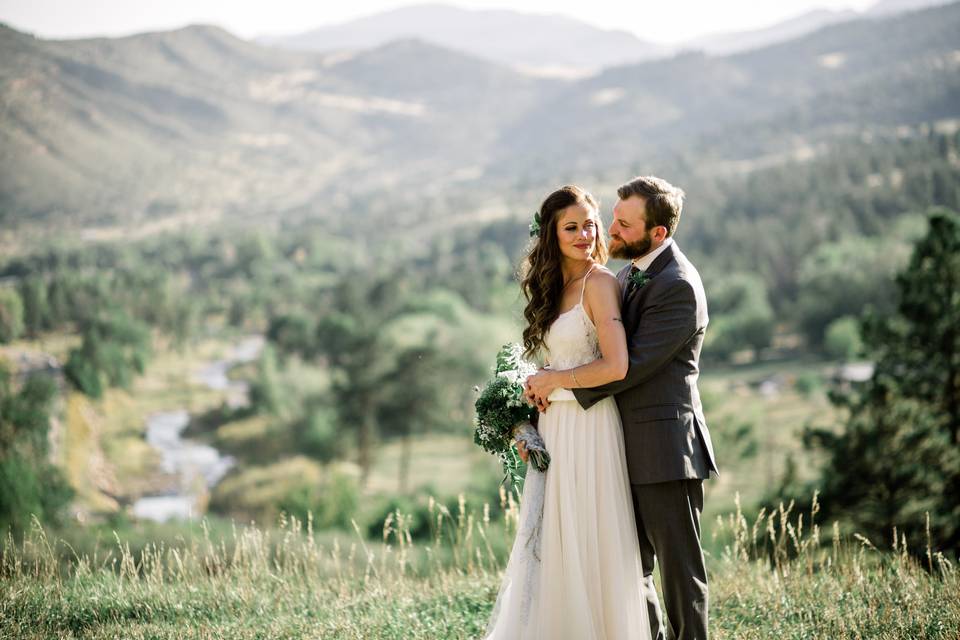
{"type": "Point", "coordinates": [503, 415]}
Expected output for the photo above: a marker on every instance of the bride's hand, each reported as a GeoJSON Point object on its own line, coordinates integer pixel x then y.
{"type": "Point", "coordinates": [539, 386]}
{"type": "Point", "coordinates": [540, 404]}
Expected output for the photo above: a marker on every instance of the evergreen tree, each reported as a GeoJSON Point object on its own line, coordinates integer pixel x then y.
{"type": "Point", "coordinates": [358, 353]}
{"type": "Point", "coordinates": [353, 349]}
{"type": "Point", "coordinates": [115, 348]}
{"type": "Point", "coordinates": [36, 310]}
{"type": "Point", "coordinates": [292, 333]}
{"type": "Point", "coordinates": [266, 390]}
{"type": "Point", "coordinates": [11, 315]}
{"type": "Point", "coordinates": [898, 457]}
{"type": "Point", "coordinates": [412, 403]}
{"type": "Point", "coordinates": [741, 317]}
{"type": "Point", "coordinates": [29, 484]}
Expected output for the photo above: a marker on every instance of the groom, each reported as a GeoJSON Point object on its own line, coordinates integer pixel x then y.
{"type": "Point", "coordinates": [668, 448]}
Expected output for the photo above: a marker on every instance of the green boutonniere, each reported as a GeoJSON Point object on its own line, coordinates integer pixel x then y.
{"type": "Point", "coordinates": [535, 225]}
{"type": "Point", "coordinates": [638, 278]}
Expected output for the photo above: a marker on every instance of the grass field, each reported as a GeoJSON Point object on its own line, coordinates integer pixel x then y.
{"type": "Point", "coordinates": [774, 579]}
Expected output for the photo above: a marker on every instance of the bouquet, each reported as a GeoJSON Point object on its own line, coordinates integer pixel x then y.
{"type": "Point", "coordinates": [503, 415]}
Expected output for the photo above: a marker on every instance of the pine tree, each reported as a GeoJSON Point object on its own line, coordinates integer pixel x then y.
{"type": "Point", "coordinates": [898, 457]}
{"type": "Point", "coordinates": [36, 309]}
{"type": "Point", "coordinates": [29, 484]}
{"type": "Point", "coordinates": [11, 315]}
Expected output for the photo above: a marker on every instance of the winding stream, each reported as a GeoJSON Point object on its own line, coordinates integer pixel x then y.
{"type": "Point", "coordinates": [197, 467]}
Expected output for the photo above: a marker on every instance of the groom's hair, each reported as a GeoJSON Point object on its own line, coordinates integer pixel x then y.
{"type": "Point", "coordinates": [664, 201]}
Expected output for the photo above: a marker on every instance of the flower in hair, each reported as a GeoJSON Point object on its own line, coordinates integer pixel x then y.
{"type": "Point", "coordinates": [535, 225]}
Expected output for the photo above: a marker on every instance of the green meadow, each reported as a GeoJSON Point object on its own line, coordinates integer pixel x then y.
{"type": "Point", "coordinates": [778, 575]}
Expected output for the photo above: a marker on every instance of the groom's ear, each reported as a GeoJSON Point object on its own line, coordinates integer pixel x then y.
{"type": "Point", "coordinates": [660, 233]}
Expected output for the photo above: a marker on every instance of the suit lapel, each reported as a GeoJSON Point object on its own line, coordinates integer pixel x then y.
{"type": "Point", "coordinates": [662, 260]}
{"type": "Point", "coordinates": [624, 285]}
{"type": "Point", "coordinates": [658, 265]}
{"type": "Point", "coordinates": [630, 308]}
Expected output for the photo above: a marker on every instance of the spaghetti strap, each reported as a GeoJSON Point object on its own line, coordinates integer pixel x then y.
{"type": "Point", "coordinates": [583, 288]}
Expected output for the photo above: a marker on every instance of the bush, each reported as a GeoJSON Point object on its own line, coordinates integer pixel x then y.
{"type": "Point", "coordinates": [36, 309]}
{"type": "Point", "coordinates": [297, 486]}
{"type": "Point", "coordinates": [11, 315]}
{"type": "Point", "coordinates": [82, 372]}
{"type": "Point", "coordinates": [115, 348]}
{"type": "Point", "coordinates": [31, 487]}
{"type": "Point", "coordinates": [29, 484]}
{"type": "Point", "coordinates": [842, 338]}
{"type": "Point", "coordinates": [292, 333]}
{"type": "Point", "coordinates": [414, 509]}
{"type": "Point", "coordinates": [741, 316]}
{"type": "Point", "coordinates": [333, 504]}
{"type": "Point", "coordinates": [318, 436]}
{"type": "Point", "coordinates": [807, 384]}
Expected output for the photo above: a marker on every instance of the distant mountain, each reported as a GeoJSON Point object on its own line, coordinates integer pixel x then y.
{"type": "Point", "coordinates": [198, 123]}
{"type": "Point", "coordinates": [195, 125]}
{"type": "Point", "coordinates": [844, 78]}
{"type": "Point", "coordinates": [736, 41]}
{"type": "Point", "coordinates": [539, 43]}
{"type": "Point", "coordinates": [725, 43]}
{"type": "Point", "coordinates": [553, 45]}
{"type": "Point", "coordinates": [891, 7]}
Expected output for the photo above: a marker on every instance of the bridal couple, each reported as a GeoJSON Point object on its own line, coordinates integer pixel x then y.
{"type": "Point", "coordinates": [620, 414]}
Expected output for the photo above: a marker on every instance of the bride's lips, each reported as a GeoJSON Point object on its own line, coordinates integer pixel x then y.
{"type": "Point", "coordinates": [582, 247]}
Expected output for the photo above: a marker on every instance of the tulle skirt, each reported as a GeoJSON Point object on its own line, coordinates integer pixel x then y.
{"type": "Point", "coordinates": [586, 584]}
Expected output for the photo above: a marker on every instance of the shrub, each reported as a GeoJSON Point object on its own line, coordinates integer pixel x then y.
{"type": "Point", "coordinates": [11, 315]}
{"type": "Point", "coordinates": [842, 338]}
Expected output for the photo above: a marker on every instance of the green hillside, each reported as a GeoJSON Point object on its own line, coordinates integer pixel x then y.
{"type": "Point", "coordinates": [194, 126]}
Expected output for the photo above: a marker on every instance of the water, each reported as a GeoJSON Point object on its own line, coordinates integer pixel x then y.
{"type": "Point", "coordinates": [196, 466]}
{"type": "Point", "coordinates": [214, 375]}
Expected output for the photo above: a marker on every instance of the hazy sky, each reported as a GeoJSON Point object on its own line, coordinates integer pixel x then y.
{"type": "Point", "coordinates": [668, 21]}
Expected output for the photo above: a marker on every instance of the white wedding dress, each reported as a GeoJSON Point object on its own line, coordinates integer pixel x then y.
{"type": "Point", "coordinates": [581, 580]}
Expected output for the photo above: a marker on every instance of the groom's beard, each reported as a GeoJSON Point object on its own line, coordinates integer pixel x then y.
{"type": "Point", "coordinates": [632, 250]}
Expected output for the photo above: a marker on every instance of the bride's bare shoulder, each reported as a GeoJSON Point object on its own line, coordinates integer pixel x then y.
{"type": "Point", "coordinates": [602, 278]}
{"type": "Point", "coordinates": [601, 273]}
{"type": "Point", "coordinates": [602, 269]}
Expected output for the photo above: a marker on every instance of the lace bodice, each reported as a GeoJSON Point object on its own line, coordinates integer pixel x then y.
{"type": "Point", "coordinates": [571, 341]}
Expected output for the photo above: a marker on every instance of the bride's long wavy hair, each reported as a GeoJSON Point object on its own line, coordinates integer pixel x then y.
{"type": "Point", "coordinates": [541, 278]}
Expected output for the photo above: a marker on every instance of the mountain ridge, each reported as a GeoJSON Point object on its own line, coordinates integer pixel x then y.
{"type": "Point", "coordinates": [537, 43]}
{"type": "Point", "coordinates": [196, 122]}
{"type": "Point", "coordinates": [529, 40]}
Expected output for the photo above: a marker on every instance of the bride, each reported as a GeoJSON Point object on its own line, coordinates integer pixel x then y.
{"type": "Point", "coordinates": [585, 580]}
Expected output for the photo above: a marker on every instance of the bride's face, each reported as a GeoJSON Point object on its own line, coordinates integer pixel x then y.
{"type": "Point", "coordinates": [577, 229]}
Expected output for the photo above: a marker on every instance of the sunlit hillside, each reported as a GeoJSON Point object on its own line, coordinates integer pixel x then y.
{"type": "Point", "coordinates": [195, 126]}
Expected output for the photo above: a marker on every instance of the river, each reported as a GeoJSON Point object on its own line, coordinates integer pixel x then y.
{"type": "Point", "coordinates": [196, 466]}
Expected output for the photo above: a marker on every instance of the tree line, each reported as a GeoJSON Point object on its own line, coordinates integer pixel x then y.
{"type": "Point", "coordinates": [402, 329]}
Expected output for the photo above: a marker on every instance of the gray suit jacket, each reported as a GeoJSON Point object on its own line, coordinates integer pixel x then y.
{"type": "Point", "coordinates": [665, 432]}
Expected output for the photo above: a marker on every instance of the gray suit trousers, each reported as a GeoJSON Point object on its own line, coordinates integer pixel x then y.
{"type": "Point", "coordinates": [668, 528]}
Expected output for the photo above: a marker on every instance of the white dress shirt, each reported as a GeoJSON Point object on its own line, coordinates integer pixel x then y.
{"type": "Point", "coordinates": [643, 262]}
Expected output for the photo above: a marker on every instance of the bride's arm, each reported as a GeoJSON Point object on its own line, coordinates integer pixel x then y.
{"type": "Point", "coordinates": [602, 297]}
